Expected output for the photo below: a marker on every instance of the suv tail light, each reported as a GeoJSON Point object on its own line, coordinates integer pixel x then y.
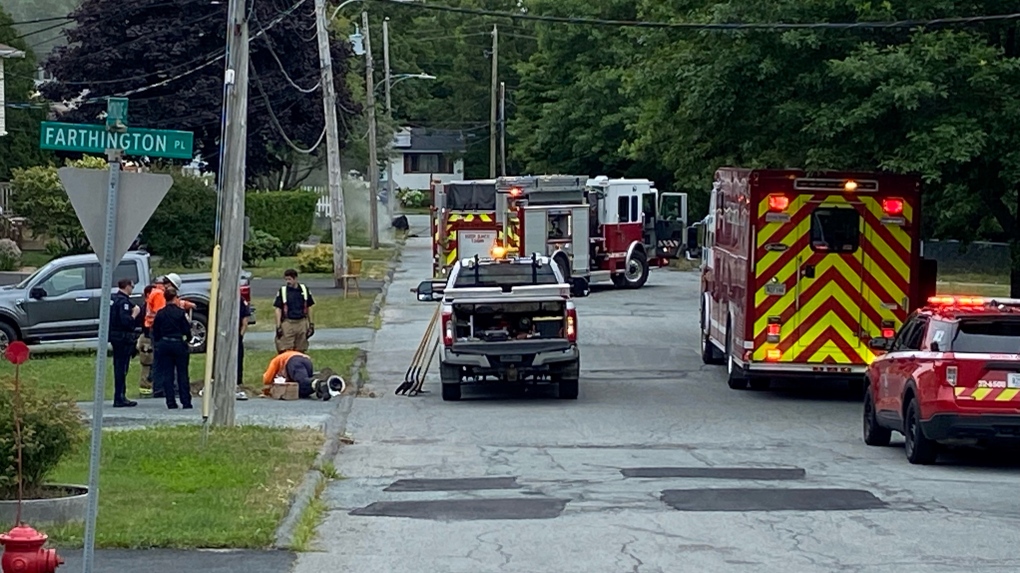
{"type": "Point", "coordinates": [571, 326]}
{"type": "Point", "coordinates": [951, 373]}
{"type": "Point", "coordinates": [447, 327]}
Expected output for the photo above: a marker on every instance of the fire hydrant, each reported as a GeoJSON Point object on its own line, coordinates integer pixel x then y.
{"type": "Point", "coordinates": [24, 553]}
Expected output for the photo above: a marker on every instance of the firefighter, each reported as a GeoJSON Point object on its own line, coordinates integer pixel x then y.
{"type": "Point", "coordinates": [294, 366]}
{"type": "Point", "coordinates": [294, 323]}
{"type": "Point", "coordinates": [171, 331]}
{"type": "Point", "coordinates": [123, 321]}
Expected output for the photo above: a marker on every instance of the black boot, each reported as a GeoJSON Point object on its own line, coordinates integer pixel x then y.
{"type": "Point", "coordinates": [123, 402]}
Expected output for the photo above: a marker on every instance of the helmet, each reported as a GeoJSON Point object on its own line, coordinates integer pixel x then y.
{"type": "Point", "coordinates": [174, 279]}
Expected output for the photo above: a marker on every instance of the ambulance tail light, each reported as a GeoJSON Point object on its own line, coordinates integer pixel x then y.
{"type": "Point", "coordinates": [951, 375]}
{"type": "Point", "coordinates": [773, 355]}
{"type": "Point", "coordinates": [778, 203]}
{"type": "Point", "coordinates": [888, 329]}
{"type": "Point", "coordinates": [892, 206]}
{"type": "Point", "coordinates": [447, 327]}
{"type": "Point", "coordinates": [774, 327]}
{"type": "Point", "coordinates": [571, 324]}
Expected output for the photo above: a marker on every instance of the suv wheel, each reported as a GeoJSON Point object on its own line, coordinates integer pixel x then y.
{"type": "Point", "coordinates": [7, 335]}
{"type": "Point", "coordinates": [919, 449]}
{"type": "Point", "coordinates": [874, 434]}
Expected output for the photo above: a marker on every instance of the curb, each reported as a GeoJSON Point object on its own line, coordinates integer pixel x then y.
{"type": "Point", "coordinates": [333, 428]}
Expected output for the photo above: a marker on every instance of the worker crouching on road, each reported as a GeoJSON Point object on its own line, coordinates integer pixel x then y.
{"type": "Point", "coordinates": [294, 324]}
{"type": "Point", "coordinates": [171, 331]}
{"type": "Point", "coordinates": [294, 366]}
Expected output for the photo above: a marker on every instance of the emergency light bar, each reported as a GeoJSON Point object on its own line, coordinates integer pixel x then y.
{"type": "Point", "coordinates": [521, 185]}
{"type": "Point", "coordinates": [973, 301]}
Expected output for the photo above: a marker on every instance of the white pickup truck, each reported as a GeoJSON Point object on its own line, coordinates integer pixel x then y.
{"type": "Point", "coordinates": [509, 320]}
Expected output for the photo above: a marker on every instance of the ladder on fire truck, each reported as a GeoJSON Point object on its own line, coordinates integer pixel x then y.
{"type": "Point", "coordinates": [414, 378]}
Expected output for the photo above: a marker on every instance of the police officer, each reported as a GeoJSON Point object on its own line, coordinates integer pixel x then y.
{"type": "Point", "coordinates": [243, 327]}
{"type": "Point", "coordinates": [171, 331]}
{"type": "Point", "coordinates": [294, 323]}
{"type": "Point", "coordinates": [123, 321]}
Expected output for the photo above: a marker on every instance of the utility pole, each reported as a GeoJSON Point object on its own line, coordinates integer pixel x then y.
{"type": "Point", "coordinates": [335, 174]}
{"type": "Point", "coordinates": [502, 128]}
{"type": "Point", "coordinates": [390, 198]}
{"type": "Point", "coordinates": [231, 220]}
{"type": "Point", "coordinates": [373, 161]}
{"type": "Point", "coordinates": [495, 90]}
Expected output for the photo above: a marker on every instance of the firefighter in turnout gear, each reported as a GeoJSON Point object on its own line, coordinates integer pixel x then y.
{"type": "Point", "coordinates": [294, 323]}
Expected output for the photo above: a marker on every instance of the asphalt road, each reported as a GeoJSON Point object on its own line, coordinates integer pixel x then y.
{"type": "Point", "coordinates": [658, 466]}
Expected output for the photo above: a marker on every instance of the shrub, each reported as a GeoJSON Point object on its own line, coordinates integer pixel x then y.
{"type": "Point", "coordinates": [317, 260]}
{"type": "Point", "coordinates": [10, 255]}
{"type": "Point", "coordinates": [414, 198]}
{"type": "Point", "coordinates": [260, 247]}
{"type": "Point", "coordinates": [51, 428]}
{"type": "Point", "coordinates": [183, 226]}
{"type": "Point", "coordinates": [287, 215]}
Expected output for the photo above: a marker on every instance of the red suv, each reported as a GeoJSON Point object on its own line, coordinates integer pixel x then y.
{"type": "Point", "coordinates": [951, 375]}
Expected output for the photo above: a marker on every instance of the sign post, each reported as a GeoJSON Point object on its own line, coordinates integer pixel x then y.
{"type": "Point", "coordinates": [131, 199]}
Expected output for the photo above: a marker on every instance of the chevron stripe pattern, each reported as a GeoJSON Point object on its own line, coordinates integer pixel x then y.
{"type": "Point", "coordinates": [457, 221]}
{"type": "Point", "coordinates": [823, 319]}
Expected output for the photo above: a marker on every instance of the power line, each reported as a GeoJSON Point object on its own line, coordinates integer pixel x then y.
{"type": "Point", "coordinates": [41, 20]}
{"type": "Point", "coordinates": [272, 52]}
{"type": "Point", "coordinates": [276, 121]}
{"type": "Point", "coordinates": [774, 26]}
{"type": "Point", "coordinates": [40, 30]}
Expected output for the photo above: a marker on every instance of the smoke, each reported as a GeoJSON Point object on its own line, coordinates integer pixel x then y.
{"type": "Point", "coordinates": [358, 210]}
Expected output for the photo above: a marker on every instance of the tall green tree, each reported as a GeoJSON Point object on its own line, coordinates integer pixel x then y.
{"type": "Point", "coordinates": [20, 147]}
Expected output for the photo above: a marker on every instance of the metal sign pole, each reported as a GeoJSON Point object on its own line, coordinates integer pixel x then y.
{"type": "Point", "coordinates": [101, 346]}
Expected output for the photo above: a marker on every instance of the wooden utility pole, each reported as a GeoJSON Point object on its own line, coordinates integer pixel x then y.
{"type": "Point", "coordinates": [373, 160]}
{"type": "Point", "coordinates": [389, 116]}
{"type": "Point", "coordinates": [335, 174]}
{"type": "Point", "coordinates": [502, 128]}
{"type": "Point", "coordinates": [231, 223]}
{"type": "Point", "coordinates": [495, 94]}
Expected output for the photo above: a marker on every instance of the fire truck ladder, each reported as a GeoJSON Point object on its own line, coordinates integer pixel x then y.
{"type": "Point", "coordinates": [414, 378]}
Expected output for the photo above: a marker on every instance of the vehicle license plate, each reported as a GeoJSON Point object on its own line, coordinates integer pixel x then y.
{"type": "Point", "coordinates": [1013, 380]}
{"type": "Point", "coordinates": [512, 358]}
{"type": "Point", "coordinates": [775, 289]}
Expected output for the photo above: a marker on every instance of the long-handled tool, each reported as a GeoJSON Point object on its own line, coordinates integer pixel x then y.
{"type": "Point", "coordinates": [410, 375]}
{"type": "Point", "coordinates": [420, 377]}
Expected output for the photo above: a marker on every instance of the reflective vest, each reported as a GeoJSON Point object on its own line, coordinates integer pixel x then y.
{"type": "Point", "coordinates": [283, 298]}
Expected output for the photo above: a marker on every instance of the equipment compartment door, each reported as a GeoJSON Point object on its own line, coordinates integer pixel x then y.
{"type": "Point", "coordinates": [536, 232]}
{"type": "Point", "coordinates": [579, 236]}
{"type": "Point", "coordinates": [829, 288]}
{"type": "Point", "coordinates": [471, 242]}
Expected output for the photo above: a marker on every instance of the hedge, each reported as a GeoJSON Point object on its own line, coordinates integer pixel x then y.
{"type": "Point", "coordinates": [287, 215]}
{"type": "Point", "coordinates": [182, 228]}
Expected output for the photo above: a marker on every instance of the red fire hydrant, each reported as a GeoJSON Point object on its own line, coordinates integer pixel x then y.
{"type": "Point", "coordinates": [24, 553]}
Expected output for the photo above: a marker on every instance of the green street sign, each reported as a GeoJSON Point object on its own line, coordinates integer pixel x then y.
{"type": "Point", "coordinates": [116, 110]}
{"type": "Point", "coordinates": [92, 138]}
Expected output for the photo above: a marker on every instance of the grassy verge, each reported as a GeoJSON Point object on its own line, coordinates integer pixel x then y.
{"type": "Point", "coordinates": [415, 210]}
{"type": "Point", "coordinates": [329, 312]}
{"type": "Point", "coordinates": [74, 372]}
{"type": "Point", "coordinates": [34, 259]}
{"type": "Point", "coordinates": [162, 487]}
{"type": "Point", "coordinates": [374, 266]}
{"type": "Point", "coordinates": [974, 284]}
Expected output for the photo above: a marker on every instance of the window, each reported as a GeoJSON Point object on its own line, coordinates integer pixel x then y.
{"type": "Point", "coordinates": [126, 270]}
{"type": "Point", "coordinates": [64, 281]}
{"type": "Point", "coordinates": [940, 335]}
{"type": "Point", "coordinates": [427, 163]}
{"type": "Point", "coordinates": [623, 209]}
{"type": "Point", "coordinates": [505, 273]}
{"type": "Point", "coordinates": [912, 334]}
{"type": "Point", "coordinates": [835, 230]}
{"type": "Point", "coordinates": [999, 336]}
{"type": "Point", "coordinates": [559, 228]}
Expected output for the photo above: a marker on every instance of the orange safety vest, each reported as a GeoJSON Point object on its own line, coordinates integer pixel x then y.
{"type": "Point", "coordinates": [156, 301]}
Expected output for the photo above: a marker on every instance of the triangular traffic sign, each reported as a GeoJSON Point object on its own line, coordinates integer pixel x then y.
{"type": "Point", "coordinates": [138, 195]}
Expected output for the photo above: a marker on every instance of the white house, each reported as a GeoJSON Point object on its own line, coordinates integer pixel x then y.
{"type": "Point", "coordinates": [427, 154]}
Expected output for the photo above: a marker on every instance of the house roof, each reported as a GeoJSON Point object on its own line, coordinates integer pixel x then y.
{"type": "Point", "coordinates": [9, 52]}
{"type": "Point", "coordinates": [433, 140]}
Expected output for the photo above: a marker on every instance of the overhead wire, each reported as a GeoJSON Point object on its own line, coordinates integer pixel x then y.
{"type": "Point", "coordinates": [283, 69]}
{"type": "Point", "coordinates": [276, 121]}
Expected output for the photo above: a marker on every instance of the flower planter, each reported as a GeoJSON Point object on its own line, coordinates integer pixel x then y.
{"type": "Point", "coordinates": [67, 505]}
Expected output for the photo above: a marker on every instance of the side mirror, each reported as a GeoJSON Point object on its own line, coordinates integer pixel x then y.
{"type": "Point", "coordinates": [426, 292]}
{"type": "Point", "coordinates": [880, 343]}
{"type": "Point", "coordinates": [579, 287]}
{"type": "Point", "coordinates": [692, 239]}
{"type": "Point", "coordinates": [37, 293]}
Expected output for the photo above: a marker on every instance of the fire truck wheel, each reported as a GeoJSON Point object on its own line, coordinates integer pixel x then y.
{"type": "Point", "coordinates": [919, 449]}
{"type": "Point", "coordinates": [874, 434]}
{"type": "Point", "coordinates": [635, 274]}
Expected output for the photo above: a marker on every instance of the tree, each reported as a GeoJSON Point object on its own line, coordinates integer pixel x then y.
{"type": "Point", "coordinates": [20, 147]}
{"type": "Point", "coordinates": [169, 51]}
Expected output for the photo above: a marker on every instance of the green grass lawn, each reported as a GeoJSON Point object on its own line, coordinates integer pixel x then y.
{"type": "Point", "coordinates": [374, 266]}
{"type": "Point", "coordinates": [162, 487]}
{"type": "Point", "coordinates": [75, 372]}
{"type": "Point", "coordinates": [329, 312]}
{"type": "Point", "coordinates": [34, 259]}
{"type": "Point", "coordinates": [974, 284]}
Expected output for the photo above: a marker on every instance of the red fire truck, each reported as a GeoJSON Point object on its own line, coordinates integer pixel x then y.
{"type": "Point", "coordinates": [800, 272]}
{"type": "Point", "coordinates": [463, 222]}
{"type": "Point", "coordinates": [602, 230]}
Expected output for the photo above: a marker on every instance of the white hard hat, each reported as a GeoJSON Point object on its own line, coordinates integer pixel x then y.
{"type": "Point", "coordinates": [175, 279]}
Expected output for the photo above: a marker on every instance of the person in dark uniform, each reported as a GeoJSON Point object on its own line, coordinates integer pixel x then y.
{"type": "Point", "coordinates": [243, 327]}
{"type": "Point", "coordinates": [171, 331]}
{"type": "Point", "coordinates": [123, 322]}
{"type": "Point", "coordinates": [294, 321]}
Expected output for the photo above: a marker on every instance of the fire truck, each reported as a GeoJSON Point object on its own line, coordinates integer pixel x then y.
{"type": "Point", "coordinates": [800, 272]}
{"type": "Point", "coordinates": [463, 222]}
{"type": "Point", "coordinates": [601, 229]}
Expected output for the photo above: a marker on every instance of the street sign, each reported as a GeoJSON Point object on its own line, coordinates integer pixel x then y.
{"type": "Point", "coordinates": [138, 195]}
{"type": "Point", "coordinates": [94, 138]}
{"type": "Point", "coordinates": [116, 110]}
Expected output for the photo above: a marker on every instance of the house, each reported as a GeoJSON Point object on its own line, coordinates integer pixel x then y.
{"type": "Point", "coordinates": [427, 154]}
{"type": "Point", "coordinates": [5, 53]}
